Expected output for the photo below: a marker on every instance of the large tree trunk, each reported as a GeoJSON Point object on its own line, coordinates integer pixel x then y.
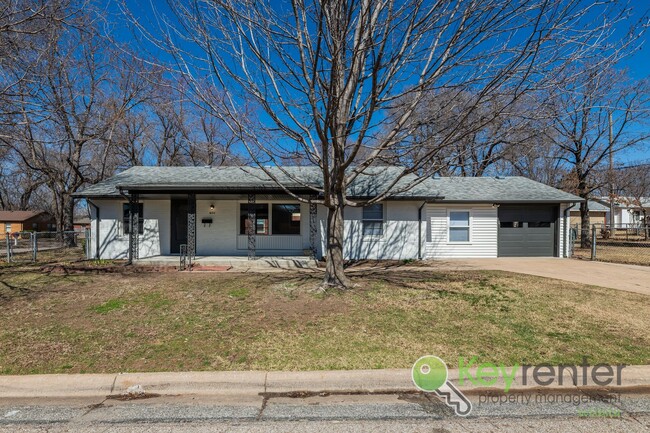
{"type": "Point", "coordinates": [68, 220]}
{"type": "Point", "coordinates": [334, 268]}
{"type": "Point", "coordinates": [585, 229]}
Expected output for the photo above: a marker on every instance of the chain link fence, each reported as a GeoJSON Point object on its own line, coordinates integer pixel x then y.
{"type": "Point", "coordinates": [624, 243]}
{"type": "Point", "coordinates": [44, 247]}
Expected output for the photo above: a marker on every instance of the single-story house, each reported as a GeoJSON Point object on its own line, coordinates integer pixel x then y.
{"type": "Point", "coordinates": [626, 211]}
{"type": "Point", "coordinates": [13, 221]}
{"type": "Point", "coordinates": [598, 214]}
{"type": "Point", "coordinates": [241, 211]}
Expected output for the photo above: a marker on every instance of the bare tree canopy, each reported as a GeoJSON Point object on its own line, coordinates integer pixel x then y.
{"type": "Point", "coordinates": [77, 105]}
{"type": "Point", "coordinates": [493, 131]}
{"type": "Point", "coordinates": [594, 116]}
{"type": "Point", "coordinates": [66, 104]}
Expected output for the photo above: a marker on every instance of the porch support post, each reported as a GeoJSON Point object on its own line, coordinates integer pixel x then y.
{"type": "Point", "coordinates": [134, 218]}
{"type": "Point", "coordinates": [191, 226]}
{"type": "Point", "coordinates": [250, 227]}
{"type": "Point", "coordinates": [313, 228]}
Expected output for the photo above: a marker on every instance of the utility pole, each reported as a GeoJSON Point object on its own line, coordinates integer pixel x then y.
{"type": "Point", "coordinates": [611, 175]}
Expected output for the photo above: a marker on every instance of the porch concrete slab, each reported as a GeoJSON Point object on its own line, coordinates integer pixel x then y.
{"type": "Point", "coordinates": [630, 278]}
{"type": "Point", "coordinates": [236, 263]}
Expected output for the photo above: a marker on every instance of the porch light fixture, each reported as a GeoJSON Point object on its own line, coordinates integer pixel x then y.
{"type": "Point", "coordinates": [495, 205]}
{"type": "Point", "coordinates": [212, 209]}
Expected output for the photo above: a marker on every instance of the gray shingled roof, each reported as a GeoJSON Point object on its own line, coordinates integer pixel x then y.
{"type": "Point", "coordinates": [509, 189]}
{"type": "Point", "coordinates": [597, 206]}
{"type": "Point", "coordinates": [369, 184]}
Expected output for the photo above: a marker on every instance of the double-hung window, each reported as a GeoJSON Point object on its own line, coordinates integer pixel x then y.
{"type": "Point", "coordinates": [126, 227]}
{"type": "Point", "coordinates": [459, 226]}
{"type": "Point", "coordinates": [373, 220]}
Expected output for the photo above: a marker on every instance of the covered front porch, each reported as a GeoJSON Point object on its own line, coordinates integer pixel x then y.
{"type": "Point", "coordinates": [164, 227]}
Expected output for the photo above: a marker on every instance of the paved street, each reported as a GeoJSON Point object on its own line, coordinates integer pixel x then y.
{"type": "Point", "coordinates": [567, 425]}
{"type": "Point", "coordinates": [567, 412]}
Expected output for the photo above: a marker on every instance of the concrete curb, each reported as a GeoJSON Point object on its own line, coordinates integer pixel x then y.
{"type": "Point", "coordinates": [257, 383]}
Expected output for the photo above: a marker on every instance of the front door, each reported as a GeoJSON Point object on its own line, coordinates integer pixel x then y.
{"type": "Point", "coordinates": [179, 225]}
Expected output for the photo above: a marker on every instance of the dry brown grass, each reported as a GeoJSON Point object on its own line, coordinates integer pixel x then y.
{"type": "Point", "coordinates": [616, 254]}
{"type": "Point", "coordinates": [52, 323]}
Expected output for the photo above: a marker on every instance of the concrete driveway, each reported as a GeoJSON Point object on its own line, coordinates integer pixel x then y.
{"type": "Point", "coordinates": [630, 278]}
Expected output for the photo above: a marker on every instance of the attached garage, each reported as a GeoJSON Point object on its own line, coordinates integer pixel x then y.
{"type": "Point", "coordinates": [527, 231]}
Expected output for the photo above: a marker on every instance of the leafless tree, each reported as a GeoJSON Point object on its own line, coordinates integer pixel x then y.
{"type": "Point", "coordinates": [494, 131]}
{"type": "Point", "coordinates": [210, 142]}
{"type": "Point", "coordinates": [67, 111]}
{"type": "Point", "coordinates": [25, 26]}
{"type": "Point", "coordinates": [169, 129]}
{"type": "Point", "coordinates": [582, 106]}
{"type": "Point", "coordinates": [324, 75]}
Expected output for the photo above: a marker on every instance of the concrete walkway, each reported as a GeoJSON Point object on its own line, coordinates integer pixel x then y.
{"type": "Point", "coordinates": [630, 278]}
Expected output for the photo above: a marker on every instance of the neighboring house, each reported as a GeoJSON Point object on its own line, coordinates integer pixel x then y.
{"type": "Point", "coordinates": [13, 221]}
{"type": "Point", "coordinates": [209, 209]}
{"type": "Point", "coordinates": [598, 214]}
{"type": "Point", "coordinates": [81, 223]}
{"type": "Point", "coordinates": [626, 211]}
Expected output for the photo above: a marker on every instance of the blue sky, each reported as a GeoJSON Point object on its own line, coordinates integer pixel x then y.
{"type": "Point", "coordinates": [637, 64]}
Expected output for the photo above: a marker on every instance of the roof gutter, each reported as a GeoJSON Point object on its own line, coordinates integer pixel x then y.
{"type": "Point", "coordinates": [566, 229]}
{"type": "Point", "coordinates": [208, 187]}
{"type": "Point", "coordinates": [98, 220]}
{"type": "Point", "coordinates": [511, 201]}
{"type": "Point", "coordinates": [420, 229]}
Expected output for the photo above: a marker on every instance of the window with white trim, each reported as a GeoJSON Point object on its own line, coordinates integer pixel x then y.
{"type": "Point", "coordinates": [459, 226]}
{"type": "Point", "coordinates": [373, 220]}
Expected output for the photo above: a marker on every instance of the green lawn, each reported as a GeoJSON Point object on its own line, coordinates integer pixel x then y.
{"type": "Point", "coordinates": [53, 323]}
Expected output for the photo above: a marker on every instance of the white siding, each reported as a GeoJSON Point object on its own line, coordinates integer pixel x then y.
{"type": "Point", "coordinates": [275, 243]}
{"type": "Point", "coordinates": [115, 245]}
{"type": "Point", "coordinates": [483, 232]}
{"type": "Point", "coordinates": [400, 238]}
